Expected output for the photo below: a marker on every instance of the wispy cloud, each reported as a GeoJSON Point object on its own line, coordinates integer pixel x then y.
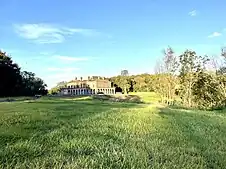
{"type": "Point", "coordinates": [47, 33]}
{"type": "Point", "coordinates": [85, 32]}
{"type": "Point", "coordinates": [71, 59]}
{"type": "Point", "coordinates": [193, 13]}
{"type": "Point", "coordinates": [214, 34]}
{"type": "Point", "coordinates": [66, 69]}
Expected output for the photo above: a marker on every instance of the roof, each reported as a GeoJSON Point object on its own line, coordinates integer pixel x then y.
{"type": "Point", "coordinates": [67, 88]}
{"type": "Point", "coordinates": [88, 80]}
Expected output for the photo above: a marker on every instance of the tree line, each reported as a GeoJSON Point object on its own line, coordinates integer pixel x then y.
{"type": "Point", "coordinates": [15, 82]}
{"type": "Point", "coordinates": [186, 80]}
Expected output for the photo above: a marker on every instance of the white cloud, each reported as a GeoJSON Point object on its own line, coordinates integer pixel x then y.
{"type": "Point", "coordinates": [69, 58]}
{"type": "Point", "coordinates": [214, 34]}
{"type": "Point", "coordinates": [85, 32]}
{"type": "Point", "coordinates": [47, 33]}
{"type": "Point", "coordinates": [67, 69]}
{"type": "Point", "coordinates": [193, 13]}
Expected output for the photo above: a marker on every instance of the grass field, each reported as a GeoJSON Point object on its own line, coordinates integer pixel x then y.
{"type": "Point", "coordinates": [84, 133]}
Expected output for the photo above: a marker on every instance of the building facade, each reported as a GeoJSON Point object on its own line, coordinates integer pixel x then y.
{"type": "Point", "coordinates": [88, 87]}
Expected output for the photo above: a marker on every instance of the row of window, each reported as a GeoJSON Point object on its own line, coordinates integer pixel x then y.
{"type": "Point", "coordinates": [78, 91]}
{"type": "Point", "coordinates": [91, 91]}
{"type": "Point", "coordinates": [100, 85]}
{"type": "Point", "coordinates": [78, 86]}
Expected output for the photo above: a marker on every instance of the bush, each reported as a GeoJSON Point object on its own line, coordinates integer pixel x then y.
{"type": "Point", "coordinates": [207, 92]}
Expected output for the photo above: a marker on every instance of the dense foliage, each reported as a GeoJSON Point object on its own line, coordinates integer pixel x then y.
{"type": "Point", "coordinates": [15, 82]}
{"type": "Point", "coordinates": [134, 83]}
{"type": "Point", "coordinates": [192, 82]}
{"type": "Point", "coordinates": [182, 79]}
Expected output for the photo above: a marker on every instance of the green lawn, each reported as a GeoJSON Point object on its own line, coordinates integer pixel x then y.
{"type": "Point", "coordinates": [149, 97]}
{"type": "Point", "coordinates": [80, 133]}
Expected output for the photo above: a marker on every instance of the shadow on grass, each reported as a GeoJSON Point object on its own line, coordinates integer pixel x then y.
{"type": "Point", "coordinates": [16, 99]}
{"type": "Point", "coordinates": [119, 98]}
{"type": "Point", "coordinates": [103, 99]}
{"type": "Point", "coordinates": [202, 130]}
{"type": "Point", "coordinates": [37, 132]}
{"type": "Point", "coordinates": [179, 106]}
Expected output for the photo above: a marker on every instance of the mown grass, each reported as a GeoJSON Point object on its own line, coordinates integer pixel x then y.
{"type": "Point", "coordinates": [83, 133]}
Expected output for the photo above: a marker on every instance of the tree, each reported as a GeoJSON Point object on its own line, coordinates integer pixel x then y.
{"type": "Point", "coordinates": [14, 82]}
{"type": "Point", "coordinates": [139, 84]}
{"type": "Point", "coordinates": [189, 65]}
{"type": "Point", "coordinates": [142, 83]}
{"type": "Point", "coordinates": [206, 91]}
{"type": "Point", "coordinates": [124, 73]}
{"type": "Point", "coordinates": [123, 82]}
{"type": "Point", "coordinates": [32, 85]}
{"type": "Point", "coordinates": [10, 76]}
{"type": "Point", "coordinates": [39, 87]}
{"type": "Point", "coordinates": [170, 67]}
{"type": "Point", "coordinates": [62, 84]}
{"type": "Point", "coordinates": [165, 81]}
{"type": "Point", "coordinates": [57, 88]}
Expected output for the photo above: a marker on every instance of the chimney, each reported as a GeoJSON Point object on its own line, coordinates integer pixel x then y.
{"type": "Point", "coordinates": [88, 77]}
{"type": "Point", "coordinates": [75, 78]}
{"type": "Point", "coordinates": [81, 78]}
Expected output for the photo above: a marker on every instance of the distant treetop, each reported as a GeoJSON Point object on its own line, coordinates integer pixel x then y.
{"type": "Point", "coordinates": [124, 73]}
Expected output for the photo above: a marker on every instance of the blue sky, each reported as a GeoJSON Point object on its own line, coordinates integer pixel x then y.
{"type": "Point", "coordinates": [59, 40]}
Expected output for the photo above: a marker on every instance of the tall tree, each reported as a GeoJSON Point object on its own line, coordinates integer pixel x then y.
{"type": "Point", "coordinates": [14, 82]}
{"type": "Point", "coordinates": [191, 67]}
{"type": "Point", "coordinates": [170, 66]}
{"type": "Point", "coordinates": [188, 66]}
{"type": "Point", "coordinates": [10, 76]}
{"type": "Point", "coordinates": [165, 81]}
{"type": "Point", "coordinates": [32, 85]}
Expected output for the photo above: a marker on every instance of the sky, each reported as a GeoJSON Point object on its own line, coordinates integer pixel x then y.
{"type": "Point", "coordinates": [59, 40]}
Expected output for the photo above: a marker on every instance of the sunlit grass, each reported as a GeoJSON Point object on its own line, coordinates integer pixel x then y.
{"type": "Point", "coordinates": [75, 133]}
{"type": "Point", "coordinates": [148, 97]}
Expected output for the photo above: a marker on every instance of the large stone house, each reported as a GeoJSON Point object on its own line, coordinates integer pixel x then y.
{"type": "Point", "coordinates": [88, 87]}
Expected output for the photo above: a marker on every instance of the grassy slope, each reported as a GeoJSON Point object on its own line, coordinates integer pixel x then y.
{"type": "Point", "coordinates": [59, 133]}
